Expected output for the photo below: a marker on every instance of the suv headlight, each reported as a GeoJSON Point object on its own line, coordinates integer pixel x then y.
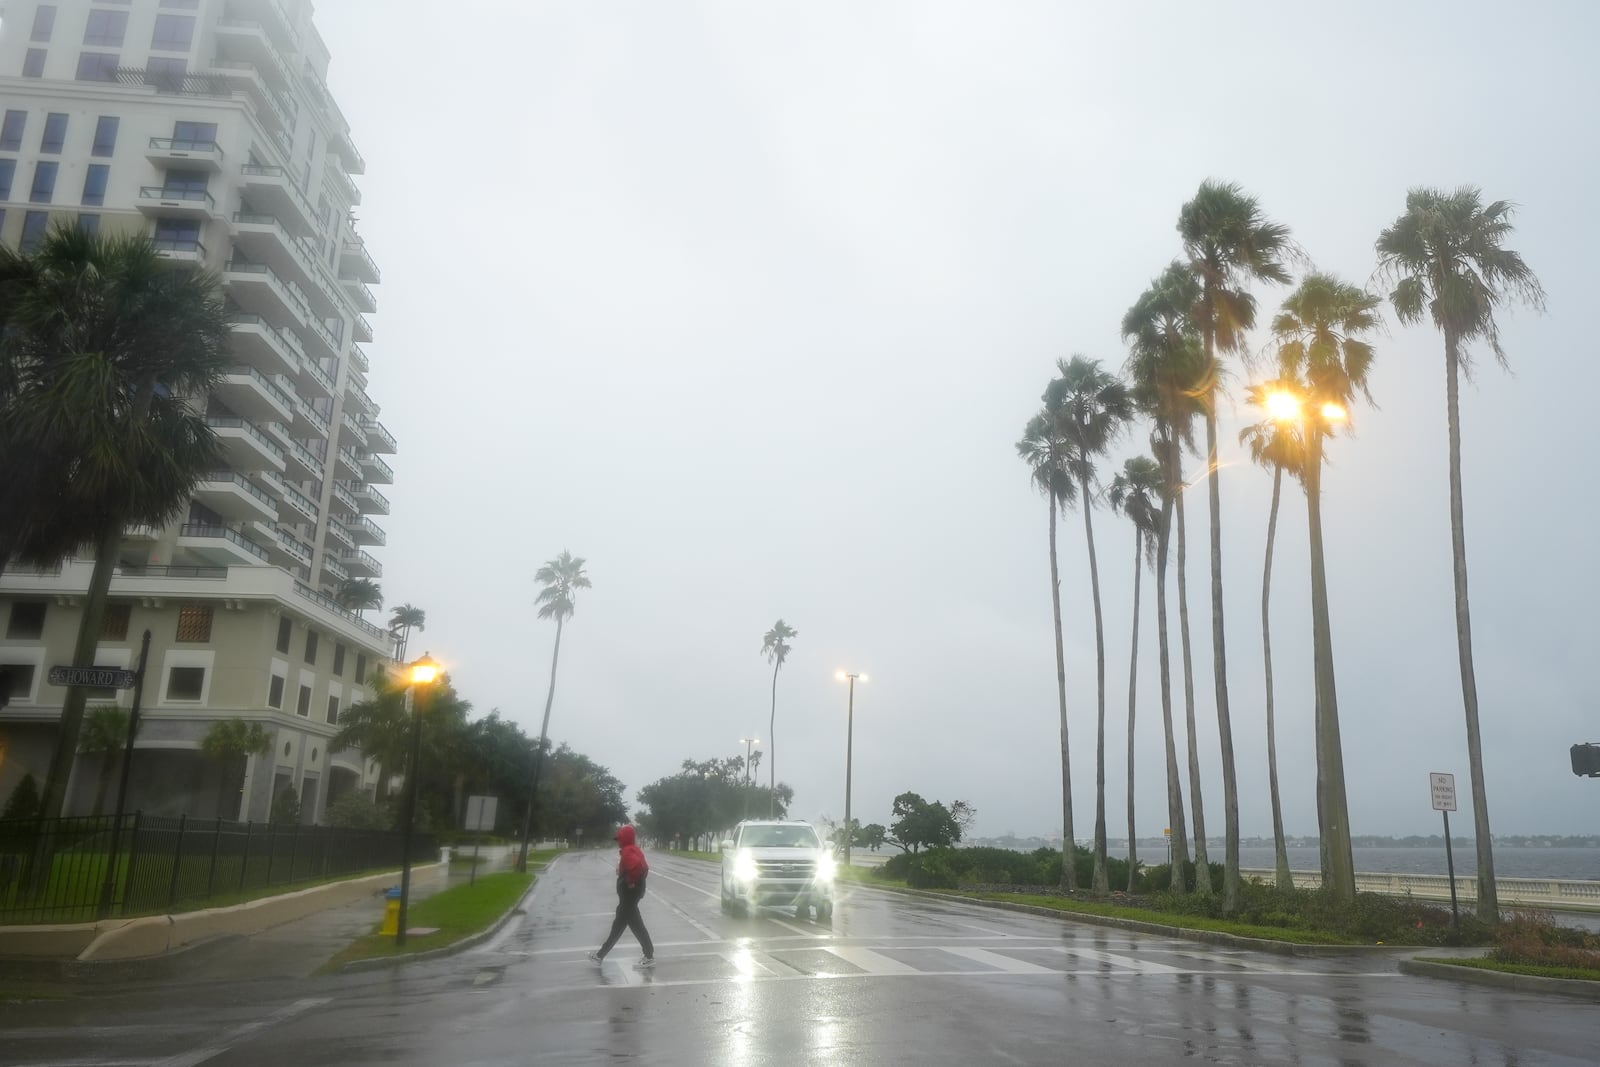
{"type": "Point", "coordinates": [826, 869]}
{"type": "Point", "coordinates": [744, 867]}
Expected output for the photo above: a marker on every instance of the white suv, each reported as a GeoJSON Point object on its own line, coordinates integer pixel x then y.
{"type": "Point", "coordinates": [779, 864]}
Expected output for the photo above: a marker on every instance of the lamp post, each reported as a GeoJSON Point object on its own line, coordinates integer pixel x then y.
{"type": "Point", "coordinates": [849, 746]}
{"type": "Point", "coordinates": [424, 671]}
{"type": "Point", "coordinates": [749, 744]}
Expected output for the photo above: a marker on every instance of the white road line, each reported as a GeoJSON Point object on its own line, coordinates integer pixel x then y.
{"type": "Point", "coordinates": [1124, 963]}
{"type": "Point", "coordinates": [201, 1055]}
{"type": "Point", "coordinates": [687, 885]}
{"type": "Point", "coordinates": [1007, 964]}
{"type": "Point", "coordinates": [874, 963]}
{"type": "Point", "coordinates": [811, 935]}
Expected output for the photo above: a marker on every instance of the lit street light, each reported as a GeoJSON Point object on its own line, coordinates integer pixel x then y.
{"type": "Point", "coordinates": [424, 671]}
{"type": "Point", "coordinates": [849, 744]}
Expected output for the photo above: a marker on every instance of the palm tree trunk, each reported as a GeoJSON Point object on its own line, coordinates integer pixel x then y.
{"type": "Point", "coordinates": [1488, 897]}
{"type": "Point", "coordinates": [1202, 861]}
{"type": "Point", "coordinates": [1219, 674]}
{"type": "Point", "coordinates": [1280, 852]}
{"type": "Point", "coordinates": [1133, 686]}
{"type": "Point", "coordinates": [772, 760]}
{"type": "Point", "coordinates": [1339, 874]}
{"type": "Point", "coordinates": [1069, 873]}
{"type": "Point", "coordinates": [107, 764]}
{"type": "Point", "coordinates": [1176, 833]}
{"type": "Point", "coordinates": [1101, 883]}
{"type": "Point", "coordinates": [538, 756]}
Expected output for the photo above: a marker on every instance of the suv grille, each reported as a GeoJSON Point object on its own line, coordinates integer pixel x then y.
{"type": "Point", "coordinates": [787, 868]}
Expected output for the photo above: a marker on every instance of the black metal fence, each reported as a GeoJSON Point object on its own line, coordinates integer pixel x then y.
{"type": "Point", "coordinates": [61, 870]}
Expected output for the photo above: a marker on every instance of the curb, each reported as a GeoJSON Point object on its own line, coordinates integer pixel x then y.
{"type": "Point", "coordinates": [1522, 983]}
{"type": "Point", "coordinates": [165, 965]}
{"type": "Point", "coordinates": [379, 963]}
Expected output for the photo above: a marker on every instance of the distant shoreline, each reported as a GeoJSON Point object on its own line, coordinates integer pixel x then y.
{"type": "Point", "coordinates": [1215, 844]}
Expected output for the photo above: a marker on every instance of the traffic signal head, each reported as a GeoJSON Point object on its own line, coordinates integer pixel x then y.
{"type": "Point", "coordinates": [1586, 760]}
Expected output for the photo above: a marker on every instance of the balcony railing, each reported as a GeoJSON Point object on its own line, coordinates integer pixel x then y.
{"type": "Point", "coordinates": [223, 533]}
{"type": "Point", "coordinates": [287, 291]}
{"type": "Point", "coordinates": [372, 528]}
{"type": "Point", "coordinates": [369, 459]}
{"type": "Point", "coordinates": [308, 458]}
{"type": "Point", "coordinates": [234, 423]}
{"type": "Point", "coordinates": [129, 570]}
{"type": "Point", "coordinates": [309, 413]}
{"type": "Point", "coordinates": [344, 496]}
{"type": "Point", "coordinates": [355, 556]}
{"type": "Point", "coordinates": [377, 429]}
{"type": "Point", "coordinates": [239, 480]}
{"type": "Point", "coordinates": [359, 251]}
{"type": "Point", "coordinates": [334, 568]}
{"type": "Point", "coordinates": [288, 400]}
{"type": "Point", "coordinates": [329, 604]}
{"type": "Point", "coordinates": [195, 196]}
{"type": "Point", "coordinates": [290, 543]}
{"type": "Point", "coordinates": [180, 244]}
{"type": "Point", "coordinates": [265, 170]}
{"type": "Point", "coordinates": [169, 144]}
{"type": "Point", "coordinates": [359, 358]}
{"type": "Point", "coordinates": [371, 492]}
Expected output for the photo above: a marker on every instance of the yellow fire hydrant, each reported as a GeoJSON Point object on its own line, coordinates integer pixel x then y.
{"type": "Point", "coordinates": [391, 913]}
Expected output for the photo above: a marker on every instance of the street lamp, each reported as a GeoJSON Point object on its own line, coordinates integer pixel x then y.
{"type": "Point", "coordinates": [849, 745]}
{"type": "Point", "coordinates": [424, 671]}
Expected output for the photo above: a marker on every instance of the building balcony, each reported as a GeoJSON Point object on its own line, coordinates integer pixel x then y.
{"type": "Point", "coordinates": [307, 423]}
{"type": "Point", "coordinates": [252, 41]}
{"type": "Point", "coordinates": [356, 262]}
{"type": "Point", "coordinates": [248, 392]}
{"type": "Point", "coordinates": [339, 539]}
{"type": "Point", "coordinates": [220, 546]}
{"type": "Point", "coordinates": [271, 190]}
{"type": "Point", "coordinates": [286, 546]}
{"type": "Point", "coordinates": [245, 445]}
{"type": "Point", "coordinates": [271, 110]}
{"type": "Point", "coordinates": [302, 464]}
{"type": "Point", "coordinates": [374, 469]}
{"type": "Point", "coordinates": [349, 465]}
{"type": "Point", "coordinates": [293, 505]}
{"type": "Point", "coordinates": [165, 152]}
{"type": "Point", "coordinates": [353, 163]}
{"type": "Point", "coordinates": [363, 402]}
{"type": "Point", "coordinates": [379, 439]}
{"type": "Point", "coordinates": [334, 569]}
{"type": "Point", "coordinates": [258, 343]}
{"type": "Point", "coordinates": [341, 182]}
{"type": "Point", "coordinates": [365, 531]}
{"type": "Point", "coordinates": [361, 564]}
{"type": "Point", "coordinates": [265, 239]}
{"type": "Point", "coordinates": [258, 289]}
{"type": "Point", "coordinates": [313, 380]}
{"type": "Point", "coordinates": [361, 330]}
{"type": "Point", "coordinates": [235, 497]}
{"type": "Point", "coordinates": [370, 500]}
{"type": "Point", "coordinates": [360, 296]}
{"type": "Point", "coordinates": [180, 250]}
{"type": "Point", "coordinates": [342, 494]}
{"type": "Point", "coordinates": [353, 435]}
{"type": "Point", "coordinates": [321, 339]}
{"type": "Point", "coordinates": [157, 201]}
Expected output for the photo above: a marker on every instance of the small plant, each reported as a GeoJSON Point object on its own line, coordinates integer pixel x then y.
{"type": "Point", "coordinates": [285, 807]}
{"type": "Point", "coordinates": [24, 802]}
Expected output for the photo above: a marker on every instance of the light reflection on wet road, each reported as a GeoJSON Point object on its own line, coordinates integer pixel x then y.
{"type": "Point", "coordinates": [894, 980]}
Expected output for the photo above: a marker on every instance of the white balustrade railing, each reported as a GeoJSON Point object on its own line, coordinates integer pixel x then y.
{"type": "Point", "coordinates": [1528, 892]}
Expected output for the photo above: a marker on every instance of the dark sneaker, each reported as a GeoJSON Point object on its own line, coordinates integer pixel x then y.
{"type": "Point", "coordinates": [646, 963]}
{"type": "Point", "coordinates": [595, 957]}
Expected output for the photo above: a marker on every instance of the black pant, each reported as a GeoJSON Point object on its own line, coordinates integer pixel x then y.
{"type": "Point", "coordinates": [628, 918]}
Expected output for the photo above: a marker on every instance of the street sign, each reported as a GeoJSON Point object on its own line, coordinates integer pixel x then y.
{"type": "Point", "coordinates": [1443, 787]}
{"type": "Point", "coordinates": [93, 677]}
{"type": "Point", "coordinates": [481, 813]}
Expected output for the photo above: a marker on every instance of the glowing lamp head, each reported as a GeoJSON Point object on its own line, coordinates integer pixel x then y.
{"type": "Point", "coordinates": [1334, 412]}
{"type": "Point", "coordinates": [1285, 407]}
{"type": "Point", "coordinates": [425, 671]}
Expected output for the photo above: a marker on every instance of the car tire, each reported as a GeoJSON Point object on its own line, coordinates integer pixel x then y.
{"type": "Point", "coordinates": [825, 913]}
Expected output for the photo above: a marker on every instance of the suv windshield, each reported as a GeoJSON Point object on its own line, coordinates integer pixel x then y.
{"type": "Point", "coordinates": [779, 837]}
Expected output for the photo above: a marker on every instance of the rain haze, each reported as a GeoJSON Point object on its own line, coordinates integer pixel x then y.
{"type": "Point", "coordinates": [747, 305]}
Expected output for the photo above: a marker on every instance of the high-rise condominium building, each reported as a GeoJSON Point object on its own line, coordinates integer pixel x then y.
{"type": "Point", "coordinates": [207, 125]}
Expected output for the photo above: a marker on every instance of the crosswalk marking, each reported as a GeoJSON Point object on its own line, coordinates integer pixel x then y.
{"type": "Point", "coordinates": [1006, 964]}
{"type": "Point", "coordinates": [1121, 962]}
{"type": "Point", "coordinates": [869, 961]}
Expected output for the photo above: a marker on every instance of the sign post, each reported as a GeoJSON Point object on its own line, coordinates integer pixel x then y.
{"type": "Point", "coordinates": [1443, 788]}
{"type": "Point", "coordinates": [136, 682]}
{"type": "Point", "coordinates": [480, 817]}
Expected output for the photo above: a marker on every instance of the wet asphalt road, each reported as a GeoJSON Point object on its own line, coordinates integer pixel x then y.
{"type": "Point", "coordinates": [894, 980]}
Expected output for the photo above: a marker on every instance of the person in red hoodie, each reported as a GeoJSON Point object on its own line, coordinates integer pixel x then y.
{"type": "Point", "coordinates": [631, 873]}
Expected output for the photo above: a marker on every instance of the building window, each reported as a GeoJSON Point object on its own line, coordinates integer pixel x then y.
{"type": "Point", "coordinates": [44, 182]}
{"type": "Point", "coordinates": [114, 625]}
{"type": "Point", "coordinates": [184, 181]}
{"type": "Point", "coordinates": [34, 225]}
{"type": "Point", "coordinates": [166, 72]}
{"type": "Point", "coordinates": [194, 134]}
{"type": "Point", "coordinates": [89, 224]}
{"type": "Point", "coordinates": [178, 235]}
{"type": "Point", "coordinates": [303, 708]}
{"type": "Point", "coordinates": [174, 33]}
{"type": "Point", "coordinates": [94, 184]}
{"type": "Point", "coordinates": [8, 171]}
{"type": "Point", "coordinates": [186, 683]}
{"type": "Point", "coordinates": [97, 67]}
{"type": "Point", "coordinates": [311, 647]}
{"type": "Point", "coordinates": [338, 660]}
{"type": "Point", "coordinates": [106, 29]}
{"type": "Point", "coordinates": [284, 628]}
{"type": "Point", "coordinates": [194, 624]}
{"type": "Point", "coordinates": [55, 133]}
{"type": "Point", "coordinates": [16, 681]}
{"type": "Point", "coordinates": [44, 22]}
{"type": "Point", "coordinates": [361, 669]}
{"type": "Point", "coordinates": [27, 621]}
{"type": "Point", "coordinates": [11, 131]}
{"type": "Point", "coordinates": [33, 63]}
{"type": "Point", "coordinates": [333, 709]}
{"type": "Point", "coordinates": [275, 692]}
{"type": "Point", "coordinates": [105, 135]}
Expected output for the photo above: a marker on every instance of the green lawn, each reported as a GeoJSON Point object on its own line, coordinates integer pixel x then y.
{"type": "Point", "coordinates": [709, 857]}
{"type": "Point", "coordinates": [458, 912]}
{"type": "Point", "coordinates": [1583, 974]}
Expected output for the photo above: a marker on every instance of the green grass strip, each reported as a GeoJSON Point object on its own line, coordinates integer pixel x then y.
{"type": "Point", "coordinates": [457, 912]}
{"type": "Point", "coordinates": [1582, 974]}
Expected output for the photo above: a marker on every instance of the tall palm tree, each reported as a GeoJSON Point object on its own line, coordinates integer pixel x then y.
{"type": "Point", "coordinates": [1229, 244]}
{"type": "Point", "coordinates": [402, 620]}
{"type": "Point", "coordinates": [1446, 258]}
{"type": "Point", "coordinates": [1134, 493]}
{"type": "Point", "coordinates": [775, 646]}
{"type": "Point", "coordinates": [229, 743]}
{"type": "Point", "coordinates": [1170, 374]}
{"type": "Point", "coordinates": [1092, 409]}
{"type": "Point", "coordinates": [561, 578]}
{"type": "Point", "coordinates": [1320, 337]}
{"type": "Point", "coordinates": [1044, 449]}
{"type": "Point", "coordinates": [105, 345]}
{"type": "Point", "coordinates": [378, 727]}
{"type": "Point", "coordinates": [359, 594]}
{"type": "Point", "coordinates": [1276, 445]}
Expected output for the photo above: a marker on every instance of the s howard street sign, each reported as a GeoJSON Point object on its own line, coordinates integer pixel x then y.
{"type": "Point", "coordinates": [93, 677]}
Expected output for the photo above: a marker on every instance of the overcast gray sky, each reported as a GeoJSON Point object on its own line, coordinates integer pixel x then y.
{"type": "Point", "coordinates": [747, 303]}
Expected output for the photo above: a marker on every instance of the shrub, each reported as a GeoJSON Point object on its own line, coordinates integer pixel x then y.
{"type": "Point", "coordinates": [1532, 937]}
{"type": "Point", "coordinates": [24, 802]}
{"type": "Point", "coordinates": [285, 807]}
{"type": "Point", "coordinates": [354, 810]}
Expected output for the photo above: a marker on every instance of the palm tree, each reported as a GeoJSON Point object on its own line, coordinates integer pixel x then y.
{"type": "Point", "coordinates": [402, 620]}
{"type": "Point", "coordinates": [1092, 409]}
{"type": "Point", "coordinates": [104, 734]}
{"type": "Point", "coordinates": [1134, 493]}
{"type": "Point", "coordinates": [1044, 449]}
{"type": "Point", "coordinates": [1446, 257]}
{"type": "Point", "coordinates": [105, 345]}
{"type": "Point", "coordinates": [1229, 244]}
{"type": "Point", "coordinates": [562, 577]}
{"type": "Point", "coordinates": [379, 728]}
{"type": "Point", "coordinates": [229, 742]}
{"type": "Point", "coordinates": [359, 594]}
{"type": "Point", "coordinates": [1170, 373]}
{"type": "Point", "coordinates": [775, 646]}
{"type": "Point", "coordinates": [1277, 446]}
{"type": "Point", "coordinates": [1319, 335]}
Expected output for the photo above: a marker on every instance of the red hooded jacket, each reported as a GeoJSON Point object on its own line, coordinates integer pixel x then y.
{"type": "Point", "coordinates": [632, 868]}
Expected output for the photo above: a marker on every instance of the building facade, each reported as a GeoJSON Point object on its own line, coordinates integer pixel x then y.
{"type": "Point", "coordinates": [207, 125]}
